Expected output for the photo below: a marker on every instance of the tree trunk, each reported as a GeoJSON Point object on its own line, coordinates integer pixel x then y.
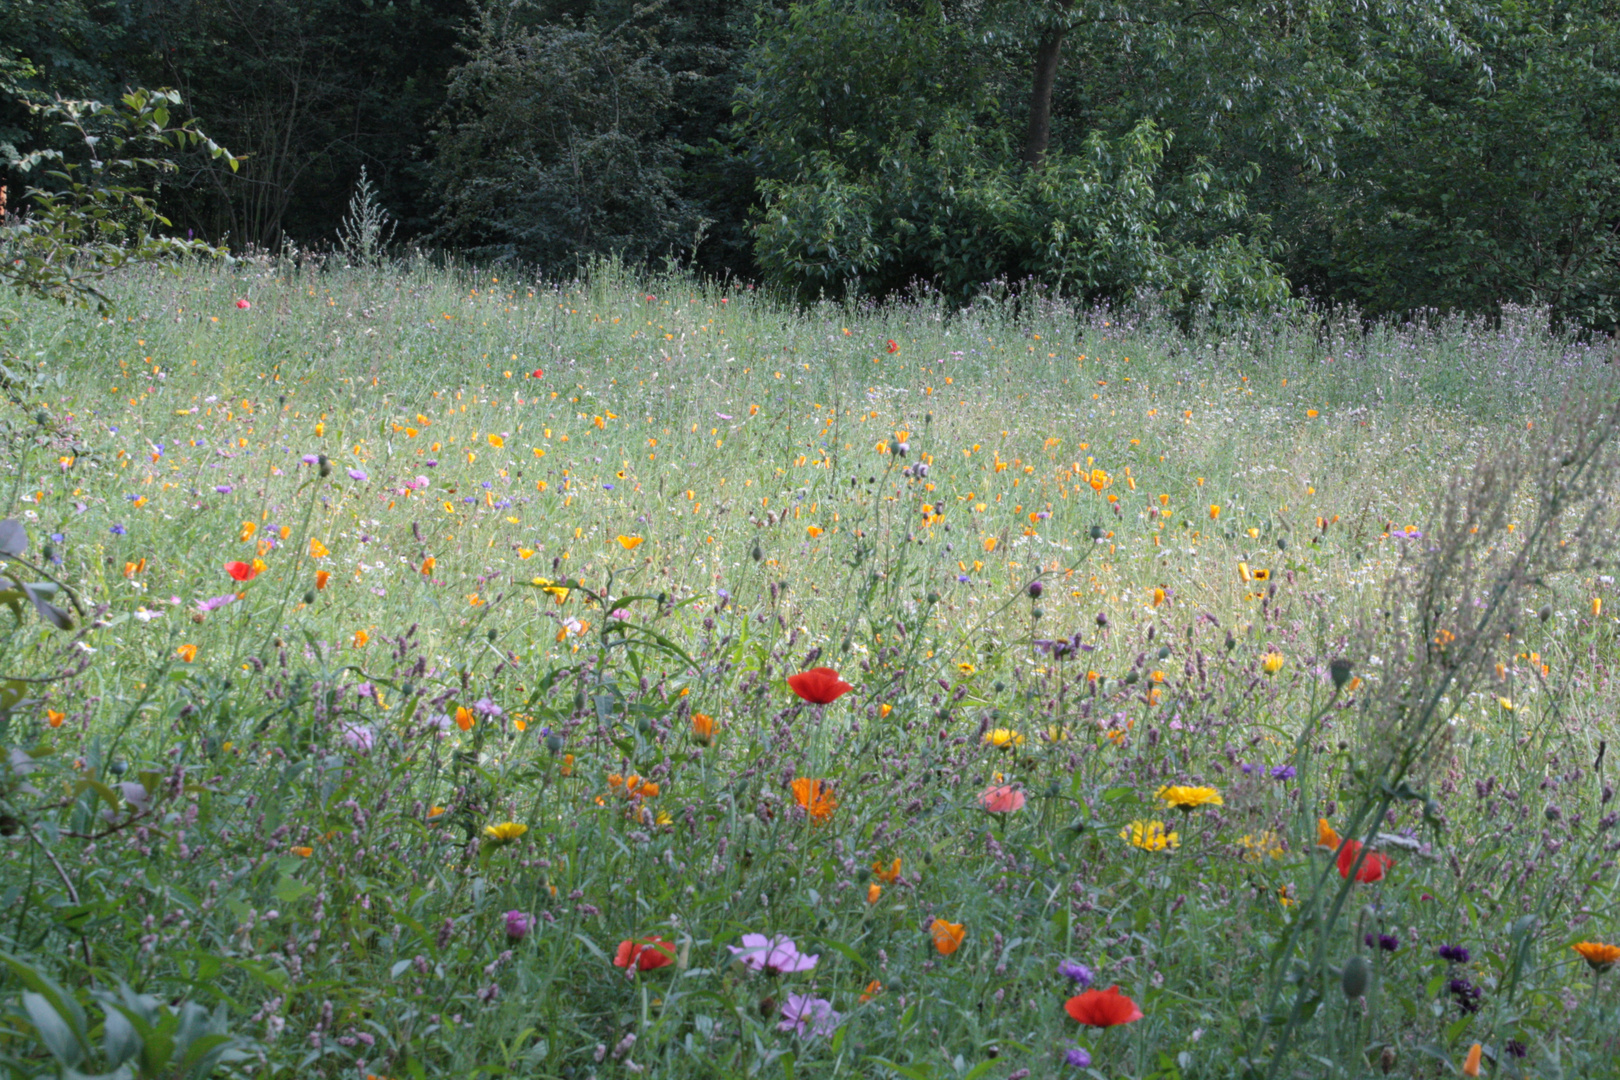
{"type": "Point", "coordinates": [1040, 97]}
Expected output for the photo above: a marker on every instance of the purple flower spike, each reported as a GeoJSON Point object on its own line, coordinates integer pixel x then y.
{"type": "Point", "coordinates": [774, 956]}
{"type": "Point", "coordinates": [807, 1016]}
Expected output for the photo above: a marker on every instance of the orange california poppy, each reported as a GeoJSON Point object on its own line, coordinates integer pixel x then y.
{"type": "Point", "coordinates": [704, 728]}
{"type": "Point", "coordinates": [816, 796]}
{"type": "Point", "coordinates": [321, 578]}
{"type": "Point", "coordinates": [464, 718]}
{"type": "Point", "coordinates": [1471, 1065]}
{"type": "Point", "coordinates": [1102, 1008]}
{"type": "Point", "coordinates": [947, 935]}
{"type": "Point", "coordinates": [187, 652]}
{"type": "Point", "coordinates": [819, 686]}
{"type": "Point", "coordinates": [1326, 836]}
{"type": "Point", "coordinates": [889, 875]}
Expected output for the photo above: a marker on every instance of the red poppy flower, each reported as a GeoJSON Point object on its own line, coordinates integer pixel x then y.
{"type": "Point", "coordinates": [536, 373]}
{"type": "Point", "coordinates": [819, 686]}
{"type": "Point", "coordinates": [644, 954]}
{"type": "Point", "coordinates": [241, 571]}
{"type": "Point", "coordinates": [243, 304]}
{"type": "Point", "coordinates": [1102, 1008]}
{"type": "Point", "coordinates": [1373, 867]}
{"type": "Point", "coordinates": [894, 346]}
{"type": "Point", "coordinates": [1004, 799]}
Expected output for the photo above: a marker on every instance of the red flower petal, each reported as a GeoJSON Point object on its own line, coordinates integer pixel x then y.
{"type": "Point", "coordinates": [241, 571]}
{"type": "Point", "coordinates": [1102, 1008]}
{"type": "Point", "coordinates": [1373, 867]}
{"type": "Point", "coordinates": [819, 686]}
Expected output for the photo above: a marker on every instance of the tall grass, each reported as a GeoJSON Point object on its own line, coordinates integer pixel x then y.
{"type": "Point", "coordinates": [1066, 557]}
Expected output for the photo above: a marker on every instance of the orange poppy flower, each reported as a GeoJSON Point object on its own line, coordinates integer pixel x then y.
{"type": "Point", "coordinates": [887, 876]}
{"type": "Point", "coordinates": [241, 571]}
{"type": "Point", "coordinates": [644, 954]}
{"type": "Point", "coordinates": [427, 566]}
{"type": "Point", "coordinates": [1471, 1065]}
{"type": "Point", "coordinates": [54, 718]}
{"type": "Point", "coordinates": [704, 728]}
{"type": "Point", "coordinates": [1602, 957]}
{"type": "Point", "coordinates": [819, 686]}
{"type": "Point", "coordinates": [188, 653]}
{"type": "Point", "coordinates": [947, 935]}
{"type": "Point", "coordinates": [1102, 1008]}
{"type": "Point", "coordinates": [873, 989]}
{"type": "Point", "coordinates": [321, 578]}
{"type": "Point", "coordinates": [318, 550]}
{"type": "Point", "coordinates": [360, 639]}
{"type": "Point", "coordinates": [1326, 836]}
{"type": "Point", "coordinates": [873, 891]}
{"type": "Point", "coordinates": [464, 718]}
{"type": "Point", "coordinates": [302, 852]}
{"type": "Point", "coordinates": [816, 796]}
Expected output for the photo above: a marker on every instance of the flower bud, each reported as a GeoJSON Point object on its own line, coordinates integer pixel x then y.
{"type": "Point", "coordinates": [1353, 980]}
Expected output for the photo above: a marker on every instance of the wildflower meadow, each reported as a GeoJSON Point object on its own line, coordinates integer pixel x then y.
{"type": "Point", "coordinates": [423, 672]}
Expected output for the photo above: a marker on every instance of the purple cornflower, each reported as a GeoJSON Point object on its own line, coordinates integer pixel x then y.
{"type": "Point", "coordinates": [518, 925]}
{"type": "Point", "coordinates": [1284, 772]}
{"type": "Point", "coordinates": [1077, 1058]}
{"type": "Point", "coordinates": [119, 530]}
{"type": "Point", "coordinates": [358, 736]}
{"type": "Point", "coordinates": [808, 1016]}
{"type": "Point", "coordinates": [1456, 954]}
{"type": "Point", "coordinates": [310, 459]}
{"type": "Point", "coordinates": [357, 475]}
{"type": "Point", "coordinates": [223, 489]}
{"type": "Point", "coordinates": [1076, 973]}
{"type": "Point", "coordinates": [774, 956]}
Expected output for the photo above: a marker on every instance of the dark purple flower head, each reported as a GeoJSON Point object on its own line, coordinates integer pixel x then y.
{"type": "Point", "coordinates": [1284, 772]}
{"type": "Point", "coordinates": [1456, 954]}
{"type": "Point", "coordinates": [1515, 1048]}
{"type": "Point", "coordinates": [1076, 973]}
{"type": "Point", "coordinates": [1387, 942]}
{"type": "Point", "coordinates": [1469, 997]}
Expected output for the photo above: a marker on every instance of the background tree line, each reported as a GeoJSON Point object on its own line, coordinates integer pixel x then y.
{"type": "Point", "coordinates": [1389, 155]}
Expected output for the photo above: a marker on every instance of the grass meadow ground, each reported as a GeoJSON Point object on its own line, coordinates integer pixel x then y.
{"type": "Point", "coordinates": [425, 709]}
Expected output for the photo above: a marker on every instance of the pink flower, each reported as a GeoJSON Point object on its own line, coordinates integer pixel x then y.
{"type": "Point", "coordinates": [775, 956]}
{"type": "Point", "coordinates": [1002, 800]}
{"type": "Point", "coordinates": [242, 303]}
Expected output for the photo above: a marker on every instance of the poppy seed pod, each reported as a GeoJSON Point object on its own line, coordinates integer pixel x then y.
{"type": "Point", "coordinates": [1096, 532]}
{"type": "Point", "coordinates": [554, 743]}
{"type": "Point", "coordinates": [309, 596]}
{"type": "Point", "coordinates": [1355, 976]}
{"type": "Point", "coordinates": [324, 464]}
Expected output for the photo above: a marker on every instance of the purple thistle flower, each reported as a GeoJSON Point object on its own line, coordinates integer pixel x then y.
{"type": "Point", "coordinates": [1076, 973]}
{"type": "Point", "coordinates": [808, 1016]}
{"type": "Point", "coordinates": [310, 459]}
{"type": "Point", "coordinates": [486, 707]}
{"type": "Point", "coordinates": [774, 956]}
{"type": "Point", "coordinates": [357, 475]}
{"type": "Point", "coordinates": [223, 489]}
{"type": "Point", "coordinates": [358, 736]}
{"type": "Point", "coordinates": [1284, 772]}
{"type": "Point", "coordinates": [518, 925]}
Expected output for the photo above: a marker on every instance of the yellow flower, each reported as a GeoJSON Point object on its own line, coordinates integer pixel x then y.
{"type": "Point", "coordinates": [248, 529]}
{"type": "Point", "coordinates": [629, 543]}
{"type": "Point", "coordinates": [1243, 571]}
{"type": "Point", "coordinates": [1271, 663]}
{"type": "Point", "coordinates": [966, 669]}
{"type": "Point", "coordinates": [496, 441]}
{"type": "Point", "coordinates": [317, 550]}
{"type": "Point", "coordinates": [556, 592]}
{"type": "Point", "coordinates": [1002, 738]}
{"type": "Point", "coordinates": [814, 531]}
{"type": "Point", "coordinates": [505, 832]}
{"type": "Point", "coordinates": [1150, 836]}
{"type": "Point", "coordinates": [1285, 896]}
{"type": "Point", "coordinates": [1257, 847]}
{"type": "Point", "coordinates": [464, 718]}
{"type": "Point", "coordinates": [1188, 798]}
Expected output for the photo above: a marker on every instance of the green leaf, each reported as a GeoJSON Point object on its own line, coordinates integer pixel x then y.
{"type": "Point", "coordinates": [55, 1032]}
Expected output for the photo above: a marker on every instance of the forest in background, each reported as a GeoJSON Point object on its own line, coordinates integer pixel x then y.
{"type": "Point", "coordinates": [1390, 157]}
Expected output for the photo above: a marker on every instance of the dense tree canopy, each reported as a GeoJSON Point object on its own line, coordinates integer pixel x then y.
{"type": "Point", "coordinates": [1391, 156]}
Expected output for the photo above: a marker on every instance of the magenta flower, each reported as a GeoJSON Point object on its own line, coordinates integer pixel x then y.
{"type": "Point", "coordinates": [518, 925]}
{"type": "Point", "coordinates": [358, 736]}
{"type": "Point", "coordinates": [774, 956]}
{"type": "Point", "coordinates": [357, 475]}
{"type": "Point", "coordinates": [808, 1016]}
